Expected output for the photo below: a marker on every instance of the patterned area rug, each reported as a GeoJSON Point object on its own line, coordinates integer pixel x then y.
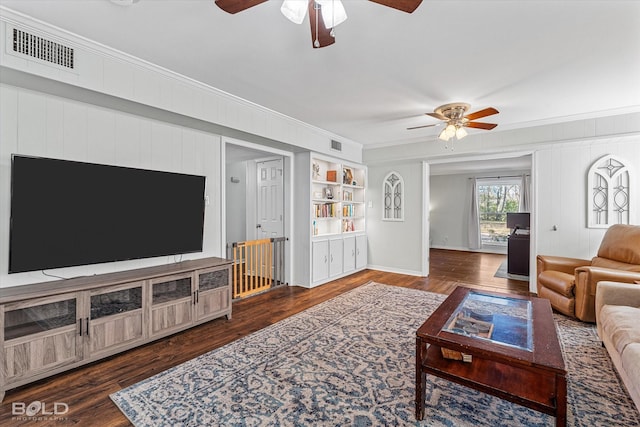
{"type": "Point", "coordinates": [350, 361]}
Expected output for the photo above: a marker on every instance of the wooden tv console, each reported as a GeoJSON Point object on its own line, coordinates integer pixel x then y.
{"type": "Point", "coordinates": [47, 328]}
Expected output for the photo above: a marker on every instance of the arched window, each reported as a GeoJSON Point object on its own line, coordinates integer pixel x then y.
{"type": "Point", "coordinates": [393, 197]}
{"type": "Point", "coordinates": [608, 185]}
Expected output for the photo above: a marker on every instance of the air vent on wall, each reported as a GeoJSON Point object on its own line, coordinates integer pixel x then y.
{"type": "Point", "coordinates": [336, 145]}
{"type": "Point", "coordinates": [42, 49]}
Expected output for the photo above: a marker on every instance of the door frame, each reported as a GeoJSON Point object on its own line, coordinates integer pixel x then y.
{"type": "Point", "coordinates": [287, 196]}
{"type": "Point", "coordinates": [487, 156]}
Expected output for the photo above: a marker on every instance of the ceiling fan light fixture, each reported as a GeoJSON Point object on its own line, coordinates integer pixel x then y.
{"type": "Point", "coordinates": [294, 10]}
{"type": "Point", "coordinates": [333, 13]}
{"type": "Point", "coordinates": [461, 133]}
{"type": "Point", "coordinates": [450, 130]}
{"type": "Point", "coordinates": [444, 135]}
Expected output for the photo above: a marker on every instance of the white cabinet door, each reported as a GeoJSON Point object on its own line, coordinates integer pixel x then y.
{"type": "Point", "coordinates": [335, 257]}
{"type": "Point", "coordinates": [349, 254]}
{"type": "Point", "coordinates": [320, 260]}
{"type": "Point", "coordinates": [361, 251]}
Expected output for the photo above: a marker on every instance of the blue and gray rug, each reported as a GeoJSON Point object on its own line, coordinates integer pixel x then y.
{"type": "Point", "coordinates": [350, 362]}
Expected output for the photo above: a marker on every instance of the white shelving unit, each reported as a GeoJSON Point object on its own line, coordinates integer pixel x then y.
{"type": "Point", "coordinates": [336, 232]}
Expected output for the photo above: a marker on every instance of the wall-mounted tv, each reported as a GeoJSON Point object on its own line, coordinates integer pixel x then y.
{"type": "Point", "coordinates": [67, 213]}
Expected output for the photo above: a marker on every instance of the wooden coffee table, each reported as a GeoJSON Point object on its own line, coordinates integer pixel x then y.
{"type": "Point", "coordinates": [504, 345]}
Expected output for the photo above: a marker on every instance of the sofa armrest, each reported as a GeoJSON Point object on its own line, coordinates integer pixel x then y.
{"type": "Point", "coordinates": [558, 263]}
{"type": "Point", "coordinates": [615, 293]}
{"type": "Point", "coordinates": [588, 277]}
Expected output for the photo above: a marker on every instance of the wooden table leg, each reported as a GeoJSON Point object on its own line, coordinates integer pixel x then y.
{"type": "Point", "coordinates": [421, 379]}
{"type": "Point", "coordinates": [561, 401]}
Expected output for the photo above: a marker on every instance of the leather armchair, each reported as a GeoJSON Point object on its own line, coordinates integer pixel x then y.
{"type": "Point", "coordinates": [570, 283]}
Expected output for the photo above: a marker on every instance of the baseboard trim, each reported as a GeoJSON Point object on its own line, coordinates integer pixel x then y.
{"type": "Point", "coordinates": [499, 250]}
{"type": "Point", "coordinates": [395, 270]}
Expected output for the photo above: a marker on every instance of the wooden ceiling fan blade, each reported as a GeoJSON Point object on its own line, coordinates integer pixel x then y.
{"type": "Point", "coordinates": [419, 127]}
{"type": "Point", "coordinates": [437, 116]}
{"type": "Point", "coordinates": [320, 36]}
{"type": "Point", "coordinates": [235, 6]}
{"type": "Point", "coordinates": [482, 113]}
{"type": "Point", "coordinates": [479, 125]}
{"type": "Point", "coordinates": [404, 5]}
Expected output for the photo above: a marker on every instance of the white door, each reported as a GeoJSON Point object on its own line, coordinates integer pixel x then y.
{"type": "Point", "coordinates": [270, 207]}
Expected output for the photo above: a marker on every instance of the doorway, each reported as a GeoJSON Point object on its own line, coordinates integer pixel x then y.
{"type": "Point", "coordinates": [257, 212]}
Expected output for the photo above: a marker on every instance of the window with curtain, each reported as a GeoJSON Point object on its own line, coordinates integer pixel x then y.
{"type": "Point", "coordinates": [393, 197]}
{"type": "Point", "coordinates": [495, 198]}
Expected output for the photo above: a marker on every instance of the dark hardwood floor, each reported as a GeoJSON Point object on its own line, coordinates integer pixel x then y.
{"type": "Point", "coordinates": [86, 390]}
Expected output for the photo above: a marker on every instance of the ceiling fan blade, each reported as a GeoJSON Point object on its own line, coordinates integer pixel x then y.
{"type": "Point", "coordinates": [403, 5]}
{"type": "Point", "coordinates": [478, 125]}
{"type": "Point", "coordinates": [235, 6]}
{"type": "Point", "coordinates": [437, 116]}
{"type": "Point", "coordinates": [321, 35]}
{"type": "Point", "coordinates": [482, 113]}
{"type": "Point", "coordinates": [418, 127]}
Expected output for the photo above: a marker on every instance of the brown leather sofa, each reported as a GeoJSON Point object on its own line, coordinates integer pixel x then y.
{"type": "Point", "coordinates": [570, 283]}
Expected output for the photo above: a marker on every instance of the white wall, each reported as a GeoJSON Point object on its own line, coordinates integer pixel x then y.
{"type": "Point", "coordinates": [563, 196]}
{"type": "Point", "coordinates": [38, 124]}
{"type": "Point", "coordinates": [449, 211]}
{"type": "Point", "coordinates": [236, 196]}
{"type": "Point", "coordinates": [395, 246]}
{"type": "Point", "coordinates": [107, 71]}
{"type": "Point", "coordinates": [562, 155]}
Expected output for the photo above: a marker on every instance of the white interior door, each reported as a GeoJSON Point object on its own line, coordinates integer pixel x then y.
{"type": "Point", "coordinates": [270, 207]}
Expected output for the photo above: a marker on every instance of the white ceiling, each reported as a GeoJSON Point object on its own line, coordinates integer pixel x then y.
{"type": "Point", "coordinates": [537, 62]}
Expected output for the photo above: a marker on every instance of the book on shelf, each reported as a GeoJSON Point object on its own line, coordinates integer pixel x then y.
{"type": "Point", "coordinates": [348, 210]}
{"type": "Point", "coordinates": [325, 210]}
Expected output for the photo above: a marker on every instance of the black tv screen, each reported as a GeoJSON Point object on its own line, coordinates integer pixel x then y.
{"type": "Point", "coordinates": [66, 213]}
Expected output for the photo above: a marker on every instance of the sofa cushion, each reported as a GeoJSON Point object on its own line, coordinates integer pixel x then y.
{"type": "Point", "coordinates": [558, 282]}
{"type": "Point", "coordinates": [620, 323]}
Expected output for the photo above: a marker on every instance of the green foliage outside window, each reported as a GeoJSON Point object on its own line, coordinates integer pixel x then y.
{"type": "Point", "coordinates": [494, 202]}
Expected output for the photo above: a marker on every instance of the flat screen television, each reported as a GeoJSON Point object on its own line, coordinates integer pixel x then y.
{"type": "Point", "coordinates": [518, 220]}
{"type": "Point", "coordinates": [67, 213]}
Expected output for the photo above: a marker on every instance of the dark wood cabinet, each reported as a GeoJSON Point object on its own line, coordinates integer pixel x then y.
{"type": "Point", "coordinates": [518, 254]}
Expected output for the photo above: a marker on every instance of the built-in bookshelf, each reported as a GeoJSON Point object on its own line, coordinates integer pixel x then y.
{"type": "Point", "coordinates": [337, 197]}
{"type": "Point", "coordinates": [333, 243]}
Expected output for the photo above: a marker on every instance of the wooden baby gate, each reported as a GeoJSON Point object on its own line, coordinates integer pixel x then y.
{"type": "Point", "coordinates": [258, 265]}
